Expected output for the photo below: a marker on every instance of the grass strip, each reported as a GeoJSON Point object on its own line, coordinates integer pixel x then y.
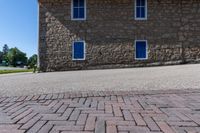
{"type": "Point", "coordinates": [15, 71]}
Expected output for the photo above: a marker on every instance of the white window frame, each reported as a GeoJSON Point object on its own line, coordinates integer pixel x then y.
{"type": "Point", "coordinates": [146, 49]}
{"type": "Point", "coordinates": [72, 11]}
{"type": "Point", "coordinates": [84, 51]}
{"type": "Point", "coordinates": [139, 18]}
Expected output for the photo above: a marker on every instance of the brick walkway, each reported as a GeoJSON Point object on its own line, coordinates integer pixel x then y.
{"type": "Point", "coordinates": [99, 112]}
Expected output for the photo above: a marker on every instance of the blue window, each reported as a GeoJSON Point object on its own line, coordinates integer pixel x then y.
{"type": "Point", "coordinates": [78, 9]}
{"type": "Point", "coordinates": [140, 9]}
{"type": "Point", "coordinates": [78, 50]}
{"type": "Point", "coordinates": [141, 50]}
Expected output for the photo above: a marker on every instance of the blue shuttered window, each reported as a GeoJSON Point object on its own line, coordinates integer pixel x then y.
{"type": "Point", "coordinates": [79, 8]}
{"type": "Point", "coordinates": [140, 9]}
{"type": "Point", "coordinates": [141, 50]}
{"type": "Point", "coordinates": [78, 50]}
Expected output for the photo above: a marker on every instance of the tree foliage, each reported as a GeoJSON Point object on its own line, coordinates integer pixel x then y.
{"type": "Point", "coordinates": [5, 52]}
{"type": "Point", "coordinates": [16, 57]}
{"type": "Point", "coordinates": [5, 49]}
{"type": "Point", "coordinates": [32, 61]}
{"type": "Point", "coordinates": [1, 57]}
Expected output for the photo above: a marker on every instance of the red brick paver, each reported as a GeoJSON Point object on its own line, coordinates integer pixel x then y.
{"type": "Point", "coordinates": [103, 112]}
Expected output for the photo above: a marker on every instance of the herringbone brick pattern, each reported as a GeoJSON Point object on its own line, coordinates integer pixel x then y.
{"type": "Point", "coordinates": [100, 112]}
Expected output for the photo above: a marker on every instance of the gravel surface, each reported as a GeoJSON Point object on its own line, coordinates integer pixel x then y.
{"type": "Point", "coordinates": [150, 78]}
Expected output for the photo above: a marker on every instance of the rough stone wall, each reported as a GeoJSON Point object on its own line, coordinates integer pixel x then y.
{"type": "Point", "coordinates": [110, 30]}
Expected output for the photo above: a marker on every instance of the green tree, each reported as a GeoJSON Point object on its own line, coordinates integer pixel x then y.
{"type": "Point", "coordinates": [1, 57]}
{"type": "Point", "coordinates": [16, 57]}
{"type": "Point", "coordinates": [5, 52]}
{"type": "Point", "coordinates": [32, 61]}
{"type": "Point", "coordinates": [5, 49]}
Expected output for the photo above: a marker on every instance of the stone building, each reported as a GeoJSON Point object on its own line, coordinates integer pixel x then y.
{"type": "Point", "coordinates": [92, 34]}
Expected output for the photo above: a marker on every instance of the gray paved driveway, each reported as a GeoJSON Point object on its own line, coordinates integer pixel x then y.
{"type": "Point", "coordinates": [152, 78]}
{"type": "Point", "coordinates": [11, 68]}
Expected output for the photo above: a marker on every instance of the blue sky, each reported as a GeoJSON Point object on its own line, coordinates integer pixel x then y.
{"type": "Point", "coordinates": [19, 25]}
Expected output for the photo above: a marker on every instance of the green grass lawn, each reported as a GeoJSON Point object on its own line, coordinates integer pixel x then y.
{"type": "Point", "coordinates": [15, 71]}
